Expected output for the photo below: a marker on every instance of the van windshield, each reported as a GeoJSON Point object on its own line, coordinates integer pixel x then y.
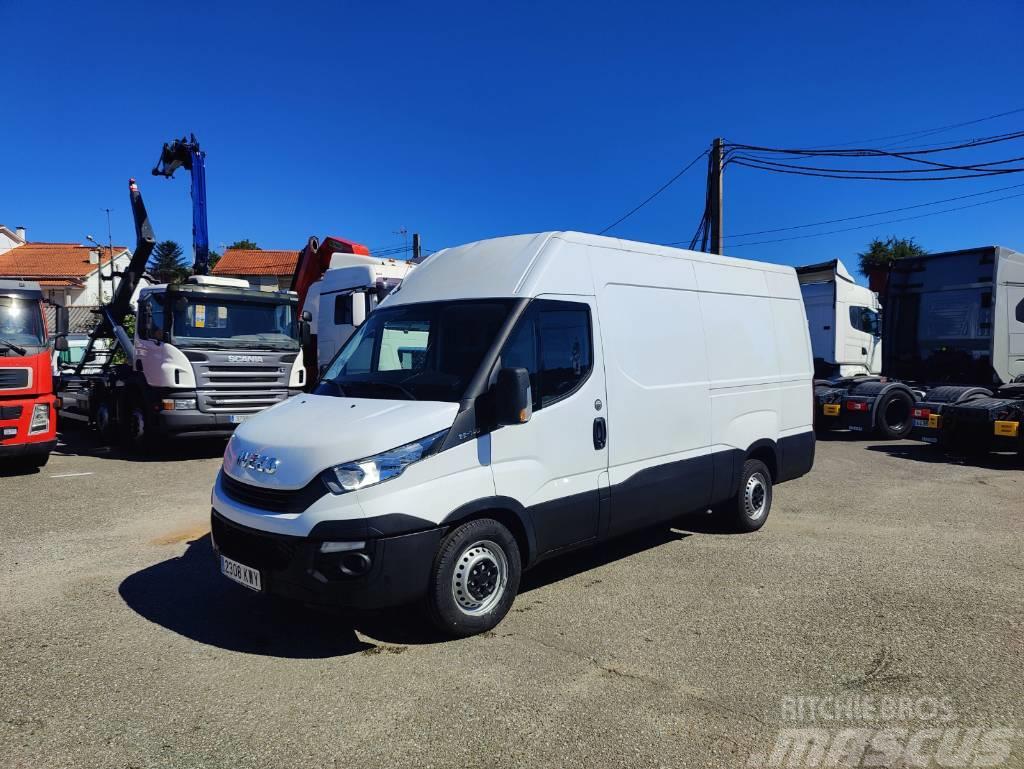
{"type": "Point", "coordinates": [427, 351]}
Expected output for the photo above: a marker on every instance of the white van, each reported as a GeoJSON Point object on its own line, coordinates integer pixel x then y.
{"type": "Point", "coordinates": [514, 399]}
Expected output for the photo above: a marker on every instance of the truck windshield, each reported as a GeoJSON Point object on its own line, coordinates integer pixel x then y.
{"type": "Point", "coordinates": [205, 321]}
{"type": "Point", "coordinates": [426, 351]}
{"type": "Point", "coordinates": [21, 323]}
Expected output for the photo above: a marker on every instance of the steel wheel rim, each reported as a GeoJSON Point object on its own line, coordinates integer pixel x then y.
{"type": "Point", "coordinates": [755, 496]}
{"type": "Point", "coordinates": [479, 578]}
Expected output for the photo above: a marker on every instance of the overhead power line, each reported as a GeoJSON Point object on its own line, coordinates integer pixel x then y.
{"type": "Point", "coordinates": [876, 213]}
{"type": "Point", "coordinates": [653, 195]}
{"type": "Point", "coordinates": [874, 224]}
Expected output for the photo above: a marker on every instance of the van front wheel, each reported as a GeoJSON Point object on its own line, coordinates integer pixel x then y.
{"type": "Point", "coordinates": [749, 509]}
{"type": "Point", "coordinates": [475, 578]}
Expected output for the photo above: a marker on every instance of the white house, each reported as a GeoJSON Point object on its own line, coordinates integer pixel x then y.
{"type": "Point", "coordinates": [67, 272]}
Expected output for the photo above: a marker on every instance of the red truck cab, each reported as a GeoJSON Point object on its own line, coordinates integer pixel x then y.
{"type": "Point", "coordinates": [28, 414]}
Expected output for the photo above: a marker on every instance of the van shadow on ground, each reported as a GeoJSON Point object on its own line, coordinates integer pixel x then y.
{"type": "Point", "coordinates": [188, 595]}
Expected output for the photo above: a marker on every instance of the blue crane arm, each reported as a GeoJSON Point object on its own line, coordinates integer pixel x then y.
{"type": "Point", "coordinates": [185, 153]}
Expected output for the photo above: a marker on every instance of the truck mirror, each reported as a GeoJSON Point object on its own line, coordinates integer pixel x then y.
{"type": "Point", "coordinates": [514, 396]}
{"type": "Point", "coordinates": [60, 343]}
{"type": "Point", "coordinates": [305, 334]}
{"type": "Point", "coordinates": [61, 319]}
{"type": "Point", "coordinates": [307, 316]}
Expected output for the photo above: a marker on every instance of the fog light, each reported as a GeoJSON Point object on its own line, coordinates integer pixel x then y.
{"type": "Point", "coordinates": [341, 547]}
{"type": "Point", "coordinates": [40, 419]}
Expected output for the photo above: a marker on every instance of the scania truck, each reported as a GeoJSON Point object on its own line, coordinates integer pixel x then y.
{"type": "Point", "coordinates": [28, 419]}
{"type": "Point", "coordinates": [203, 356]}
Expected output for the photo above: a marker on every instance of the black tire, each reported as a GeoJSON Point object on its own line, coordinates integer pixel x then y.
{"type": "Point", "coordinates": [137, 427]}
{"type": "Point", "coordinates": [749, 509]}
{"type": "Point", "coordinates": [894, 415]}
{"type": "Point", "coordinates": [480, 562]}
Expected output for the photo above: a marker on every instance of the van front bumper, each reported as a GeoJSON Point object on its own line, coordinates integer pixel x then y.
{"type": "Point", "coordinates": [387, 571]}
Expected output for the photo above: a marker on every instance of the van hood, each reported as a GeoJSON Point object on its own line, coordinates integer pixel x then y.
{"type": "Point", "coordinates": [309, 433]}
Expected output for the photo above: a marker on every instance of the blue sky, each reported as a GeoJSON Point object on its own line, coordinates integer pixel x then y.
{"type": "Point", "coordinates": [466, 121]}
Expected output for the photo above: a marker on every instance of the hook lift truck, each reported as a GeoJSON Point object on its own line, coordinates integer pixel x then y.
{"type": "Point", "coordinates": [204, 354]}
{"type": "Point", "coordinates": [953, 356]}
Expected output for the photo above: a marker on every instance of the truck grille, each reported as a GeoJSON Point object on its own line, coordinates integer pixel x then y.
{"type": "Point", "coordinates": [258, 549]}
{"type": "Point", "coordinates": [13, 378]}
{"type": "Point", "coordinates": [237, 401]}
{"type": "Point", "coordinates": [273, 500]}
{"type": "Point", "coordinates": [242, 376]}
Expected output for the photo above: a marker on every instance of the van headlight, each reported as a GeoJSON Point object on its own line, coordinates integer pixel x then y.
{"type": "Point", "coordinates": [351, 476]}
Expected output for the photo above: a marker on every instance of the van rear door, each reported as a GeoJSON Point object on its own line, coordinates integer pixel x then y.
{"type": "Point", "coordinates": [554, 464]}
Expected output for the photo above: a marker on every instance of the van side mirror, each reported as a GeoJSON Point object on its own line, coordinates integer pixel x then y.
{"type": "Point", "coordinates": [513, 396]}
{"type": "Point", "coordinates": [60, 343]}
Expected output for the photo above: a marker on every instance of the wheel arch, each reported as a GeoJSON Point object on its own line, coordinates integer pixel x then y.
{"type": "Point", "coordinates": [767, 451]}
{"type": "Point", "coordinates": [505, 511]}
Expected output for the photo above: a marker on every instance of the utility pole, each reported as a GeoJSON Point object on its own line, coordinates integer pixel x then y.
{"type": "Point", "coordinates": [415, 246]}
{"type": "Point", "coordinates": [715, 192]}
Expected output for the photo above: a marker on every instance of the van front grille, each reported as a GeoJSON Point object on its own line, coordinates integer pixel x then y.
{"type": "Point", "coordinates": [273, 500]}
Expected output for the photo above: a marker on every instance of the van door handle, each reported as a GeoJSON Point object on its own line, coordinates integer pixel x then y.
{"type": "Point", "coordinates": [600, 433]}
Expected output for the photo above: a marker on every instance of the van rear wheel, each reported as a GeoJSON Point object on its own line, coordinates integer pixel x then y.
{"type": "Point", "coordinates": [475, 578]}
{"type": "Point", "coordinates": [753, 501]}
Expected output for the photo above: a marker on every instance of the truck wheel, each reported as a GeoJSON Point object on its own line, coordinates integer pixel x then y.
{"type": "Point", "coordinates": [104, 419]}
{"type": "Point", "coordinates": [475, 578]}
{"type": "Point", "coordinates": [138, 431]}
{"type": "Point", "coordinates": [749, 509]}
{"type": "Point", "coordinates": [894, 415]}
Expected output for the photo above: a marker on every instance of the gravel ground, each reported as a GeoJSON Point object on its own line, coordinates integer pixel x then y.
{"type": "Point", "coordinates": [887, 573]}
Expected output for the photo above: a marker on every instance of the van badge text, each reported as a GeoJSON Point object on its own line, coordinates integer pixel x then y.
{"type": "Point", "coordinates": [259, 463]}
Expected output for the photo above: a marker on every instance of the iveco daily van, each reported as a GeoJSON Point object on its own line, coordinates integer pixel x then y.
{"type": "Point", "coordinates": [514, 399]}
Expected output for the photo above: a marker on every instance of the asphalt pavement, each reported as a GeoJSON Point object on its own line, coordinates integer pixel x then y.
{"type": "Point", "coordinates": [891, 576]}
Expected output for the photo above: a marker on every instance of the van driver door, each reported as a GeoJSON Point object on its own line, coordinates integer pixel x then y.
{"type": "Point", "coordinates": [555, 464]}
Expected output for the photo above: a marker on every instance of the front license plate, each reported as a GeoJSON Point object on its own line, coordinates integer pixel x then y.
{"type": "Point", "coordinates": [240, 573]}
{"type": "Point", "coordinates": [857, 428]}
{"type": "Point", "coordinates": [831, 409]}
{"type": "Point", "coordinates": [237, 419]}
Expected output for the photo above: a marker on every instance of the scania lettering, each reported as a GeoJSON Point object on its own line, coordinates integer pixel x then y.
{"type": "Point", "coordinates": [519, 398]}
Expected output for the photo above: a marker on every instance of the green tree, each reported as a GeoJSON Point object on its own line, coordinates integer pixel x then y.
{"type": "Point", "coordinates": [214, 258]}
{"type": "Point", "coordinates": [881, 254]}
{"type": "Point", "coordinates": [166, 264]}
{"type": "Point", "coordinates": [245, 245]}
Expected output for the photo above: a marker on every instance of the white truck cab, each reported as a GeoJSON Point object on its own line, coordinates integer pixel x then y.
{"type": "Point", "coordinates": [517, 398]}
{"type": "Point", "coordinates": [844, 319]}
{"type": "Point", "coordinates": [349, 290]}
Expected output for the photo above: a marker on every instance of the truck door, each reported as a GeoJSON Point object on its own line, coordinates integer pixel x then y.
{"type": "Point", "coordinates": [1015, 307]}
{"type": "Point", "coordinates": [555, 464]}
{"type": "Point", "coordinates": [860, 338]}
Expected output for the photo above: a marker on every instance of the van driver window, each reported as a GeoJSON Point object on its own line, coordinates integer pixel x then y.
{"type": "Point", "coordinates": [553, 342]}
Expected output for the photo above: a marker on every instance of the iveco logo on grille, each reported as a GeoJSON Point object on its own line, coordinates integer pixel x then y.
{"type": "Point", "coordinates": [245, 359]}
{"type": "Point", "coordinates": [258, 463]}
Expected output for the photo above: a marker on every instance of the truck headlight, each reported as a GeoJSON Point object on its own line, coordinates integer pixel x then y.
{"type": "Point", "coordinates": [179, 404]}
{"type": "Point", "coordinates": [351, 476]}
{"type": "Point", "coordinates": [40, 418]}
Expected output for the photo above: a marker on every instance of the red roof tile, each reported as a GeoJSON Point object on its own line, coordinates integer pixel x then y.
{"type": "Point", "coordinates": [237, 261]}
{"type": "Point", "coordinates": [56, 263]}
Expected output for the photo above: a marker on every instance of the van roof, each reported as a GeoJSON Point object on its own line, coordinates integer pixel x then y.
{"type": "Point", "coordinates": [507, 263]}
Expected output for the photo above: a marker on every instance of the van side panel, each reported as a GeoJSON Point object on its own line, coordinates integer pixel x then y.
{"type": "Point", "coordinates": [656, 370]}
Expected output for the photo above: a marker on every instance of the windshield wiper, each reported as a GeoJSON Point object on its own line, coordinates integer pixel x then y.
{"type": "Point", "coordinates": [13, 346]}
